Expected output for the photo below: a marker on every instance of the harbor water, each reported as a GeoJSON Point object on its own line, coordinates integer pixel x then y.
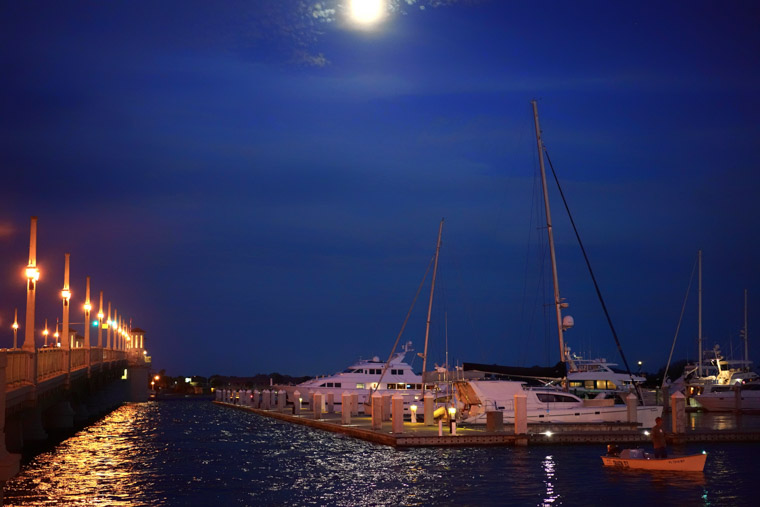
{"type": "Point", "coordinates": [192, 452]}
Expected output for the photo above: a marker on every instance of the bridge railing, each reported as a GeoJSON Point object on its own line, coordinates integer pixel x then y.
{"type": "Point", "coordinates": [96, 355]}
{"type": "Point", "coordinates": [19, 369]}
{"type": "Point", "coordinates": [78, 358]}
{"type": "Point", "coordinates": [50, 362]}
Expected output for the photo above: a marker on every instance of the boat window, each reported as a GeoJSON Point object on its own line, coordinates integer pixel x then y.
{"type": "Point", "coordinates": [588, 384]}
{"type": "Point", "coordinates": [576, 383]}
{"type": "Point", "coordinates": [360, 385]}
{"type": "Point", "coordinates": [392, 386]}
{"type": "Point", "coordinates": [337, 384]}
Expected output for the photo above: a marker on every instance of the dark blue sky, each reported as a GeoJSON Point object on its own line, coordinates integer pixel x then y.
{"type": "Point", "coordinates": [259, 184]}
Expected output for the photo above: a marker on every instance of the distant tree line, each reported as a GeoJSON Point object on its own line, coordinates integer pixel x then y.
{"type": "Point", "coordinates": [257, 381]}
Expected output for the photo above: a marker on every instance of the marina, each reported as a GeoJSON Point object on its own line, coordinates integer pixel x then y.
{"type": "Point", "coordinates": [420, 435]}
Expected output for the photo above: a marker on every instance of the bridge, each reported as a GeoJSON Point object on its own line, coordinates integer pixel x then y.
{"type": "Point", "coordinates": [49, 388]}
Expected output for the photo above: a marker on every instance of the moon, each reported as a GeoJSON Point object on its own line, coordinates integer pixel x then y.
{"type": "Point", "coordinates": [367, 12]}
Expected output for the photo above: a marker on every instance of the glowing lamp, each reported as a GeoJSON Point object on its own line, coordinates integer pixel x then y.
{"type": "Point", "coordinates": [33, 273]}
{"type": "Point", "coordinates": [156, 377]}
{"type": "Point", "coordinates": [45, 332]}
{"type": "Point", "coordinates": [100, 315]}
{"type": "Point", "coordinates": [15, 325]}
{"type": "Point", "coordinates": [94, 323]}
{"type": "Point", "coordinates": [452, 412]}
{"type": "Point", "coordinates": [66, 294]}
{"type": "Point", "coordinates": [87, 307]}
{"type": "Point", "coordinates": [56, 334]}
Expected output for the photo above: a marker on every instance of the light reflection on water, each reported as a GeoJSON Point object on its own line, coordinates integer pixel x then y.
{"type": "Point", "coordinates": [196, 453]}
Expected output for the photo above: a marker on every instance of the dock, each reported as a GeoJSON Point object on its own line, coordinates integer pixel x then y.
{"type": "Point", "coordinates": [420, 435]}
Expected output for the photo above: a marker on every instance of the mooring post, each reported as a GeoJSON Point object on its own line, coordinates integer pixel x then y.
{"type": "Point", "coordinates": [377, 411]}
{"type": "Point", "coordinates": [678, 407]}
{"type": "Point", "coordinates": [632, 404]}
{"type": "Point", "coordinates": [345, 408]}
{"type": "Point", "coordinates": [398, 413]}
{"type": "Point", "coordinates": [429, 409]}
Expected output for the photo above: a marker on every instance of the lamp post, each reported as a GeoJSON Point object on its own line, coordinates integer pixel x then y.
{"type": "Point", "coordinates": [45, 332]}
{"type": "Point", "coordinates": [87, 308]}
{"type": "Point", "coordinates": [66, 297]}
{"type": "Point", "coordinates": [100, 321]}
{"type": "Point", "coordinates": [108, 329]}
{"type": "Point", "coordinates": [56, 335]}
{"type": "Point", "coordinates": [15, 329]}
{"type": "Point", "coordinates": [640, 363]}
{"type": "Point", "coordinates": [32, 276]}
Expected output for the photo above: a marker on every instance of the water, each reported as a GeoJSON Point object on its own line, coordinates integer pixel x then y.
{"type": "Point", "coordinates": [188, 453]}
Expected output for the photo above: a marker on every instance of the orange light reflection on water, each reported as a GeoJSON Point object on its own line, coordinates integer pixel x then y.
{"type": "Point", "coordinates": [105, 457]}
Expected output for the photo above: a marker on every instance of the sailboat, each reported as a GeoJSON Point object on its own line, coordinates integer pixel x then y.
{"type": "Point", "coordinates": [712, 371]}
{"type": "Point", "coordinates": [544, 404]}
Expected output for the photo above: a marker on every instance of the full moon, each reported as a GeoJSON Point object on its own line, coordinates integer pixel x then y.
{"type": "Point", "coordinates": [367, 11]}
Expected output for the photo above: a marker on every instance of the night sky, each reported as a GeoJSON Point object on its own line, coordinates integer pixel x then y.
{"type": "Point", "coordinates": [259, 184]}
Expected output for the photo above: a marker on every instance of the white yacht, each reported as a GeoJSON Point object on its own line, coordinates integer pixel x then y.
{"type": "Point", "coordinates": [364, 377]}
{"type": "Point", "coordinates": [477, 397]}
{"type": "Point", "coordinates": [723, 397]}
{"type": "Point", "coordinates": [594, 376]}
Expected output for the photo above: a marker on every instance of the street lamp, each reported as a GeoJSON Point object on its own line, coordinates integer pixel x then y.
{"type": "Point", "coordinates": [15, 329]}
{"type": "Point", "coordinates": [45, 332]}
{"type": "Point", "coordinates": [640, 363]}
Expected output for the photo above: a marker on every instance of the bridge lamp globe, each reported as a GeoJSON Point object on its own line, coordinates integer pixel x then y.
{"type": "Point", "coordinates": [66, 294]}
{"type": "Point", "coordinates": [87, 307]}
{"type": "Point", "coordinates": [100, 316]}
{"type": "Point", "coordinates": [32, 273]}
{"type": "Point", "coordinates": [15, 326]}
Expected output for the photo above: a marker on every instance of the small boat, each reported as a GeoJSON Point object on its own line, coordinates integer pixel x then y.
{"type": "Point", "coordinates": [638, 459]}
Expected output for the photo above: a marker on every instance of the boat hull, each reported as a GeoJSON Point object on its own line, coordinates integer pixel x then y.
{"type": "Point", "coordinates": [691, 463]}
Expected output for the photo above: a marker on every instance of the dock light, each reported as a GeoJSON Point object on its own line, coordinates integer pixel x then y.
{"type": "Point", "coordinates": [548, 433]}
{"type": "Point", "coordinates": [32, 273]}
{"type": "Point", "coordinates": [646, 432]}
{"type": "Point", "coordinates": [188, 380]}
{"type": "Point", "coordinates": [413, 410]}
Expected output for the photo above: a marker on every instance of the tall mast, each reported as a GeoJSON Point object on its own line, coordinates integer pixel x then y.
{"type": "Point", "coordinates": [557, 301]}
{"type": "Point", "coordinates": [430, 305]}
{"type": "Point", "coordinates": [746, 349]}
{"type": "Point", "coordinates": [699, 316]}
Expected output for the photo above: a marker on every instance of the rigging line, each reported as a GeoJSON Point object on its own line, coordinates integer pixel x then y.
{"type": "Point", "coordinates": [593, 278]}
{"type": "Point", "coordinates": [680, 319]}
{"type": "Point", "coordinates": [403, 326]}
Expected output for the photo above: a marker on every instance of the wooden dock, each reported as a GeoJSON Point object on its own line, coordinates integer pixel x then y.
{"type": "Point", "coordinates": [419, 435]}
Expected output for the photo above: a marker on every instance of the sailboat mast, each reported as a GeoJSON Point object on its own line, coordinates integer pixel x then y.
{"type": "Point", "coordinates": [699, 316]}
{"type": "Point", "coordinates": [430, 305]}
{"type": "Point", "coordinates": [746, 349]}
{"type": "Point", "coordinates": [557, 301]}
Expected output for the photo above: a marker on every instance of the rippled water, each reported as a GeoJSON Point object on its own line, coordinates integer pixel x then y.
{"type": "Point", "coordinates": [196, 453]}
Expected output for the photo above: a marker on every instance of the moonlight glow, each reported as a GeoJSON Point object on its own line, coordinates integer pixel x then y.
{"type": "Point", "coordinates": [367, 11]}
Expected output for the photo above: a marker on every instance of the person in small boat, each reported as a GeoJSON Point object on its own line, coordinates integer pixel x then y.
{"type": "Point", "coordinates": [658, 440]}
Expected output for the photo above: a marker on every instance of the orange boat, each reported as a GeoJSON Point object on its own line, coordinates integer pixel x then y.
{"type": "Point", "coordinates": [637, 459]}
